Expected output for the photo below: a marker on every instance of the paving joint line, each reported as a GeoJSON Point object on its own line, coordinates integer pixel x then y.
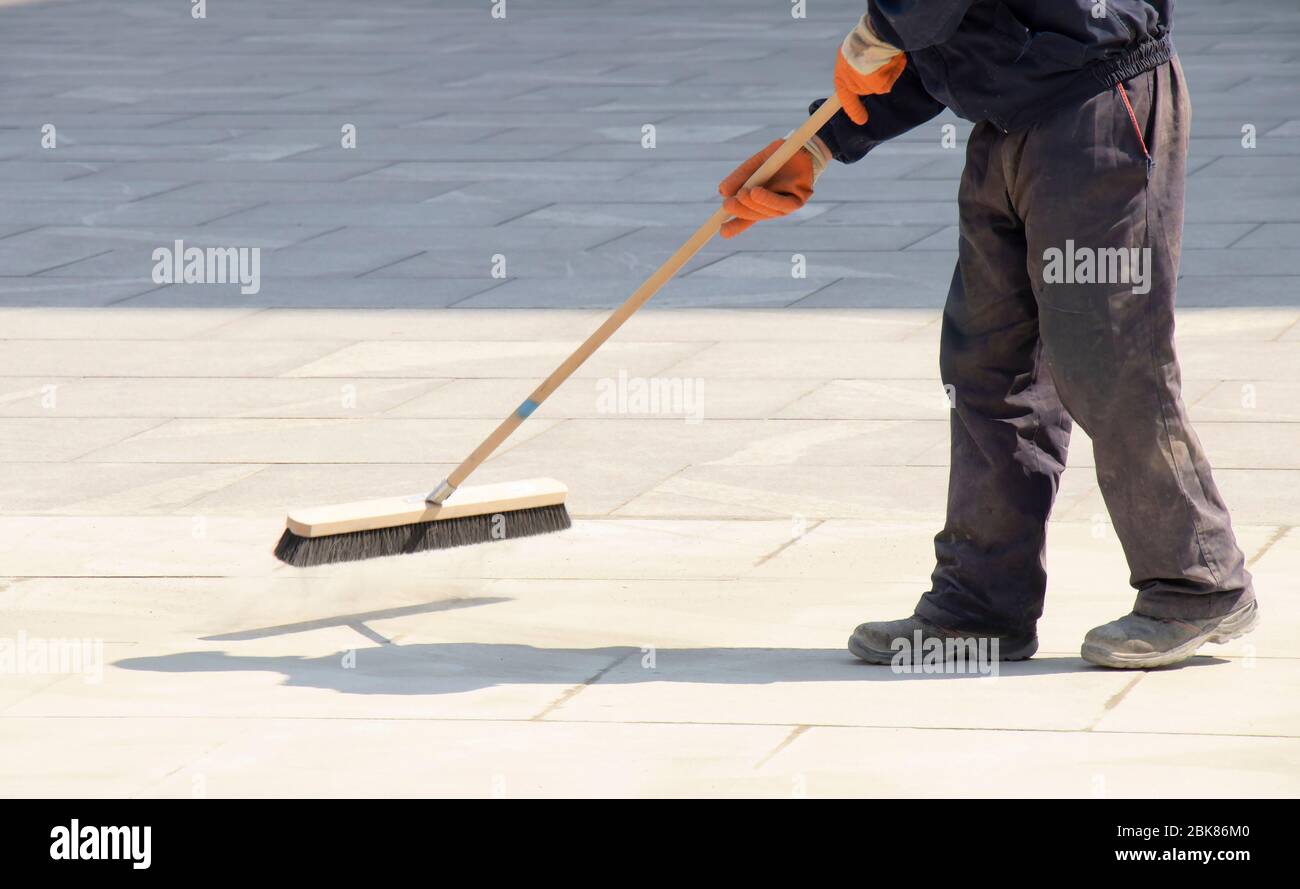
{"type": "Point", "coordinates": [789, 543]}
{"type": "Point", "coordinates": [571, 693]}
{"type": "Point", "coordinates": [1268, 545]}
{"type": "Point", "coordinates": [785, 742]}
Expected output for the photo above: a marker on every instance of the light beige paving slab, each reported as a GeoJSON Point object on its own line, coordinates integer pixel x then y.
{"type": "Point", "coordinates": [248, 440]}
{"type": "Point", "coordinates": [884, 493]}
{"type": "Point", "coordinates": [628, 549]}
{"type": "Point", "coordinates": [837, 550]}
{"type": "Point", "coordinates": [872, 399]}
{"type": "Point", "coordinates": [816, 361]}
{"type": "Point", "coordinates": [1088, 578]}
{"type": "Point", "coordinates": [1249, 695]}
{"type": "Point", "coordinates": [1230, 445]}
{"type": "Point", "coordinates": [667, 442]}
{"type": "Point", "coordinates": [112, 489]}
{"type": "Point", "coordinates": [694, 400]}
{"type": "Point", "coordinates": [918, 359]}
{"type": "Point", "coordinates": [279, 486]}
{"type": "Point", "coordinates": [553, 616]}
{"type": "Point", "coordinates": [20, 686]}
{"type": "Point", "coordinates": [761, 685]}
{"type": "Point", "coordinates": [1254, 324]}
{"type": "Point", "coordinates": [332, 672]}
{"type": "Point", "coordinates": [107, 758]}
{"type": "Point", "coordinates": [1254, 496]}
{"type": "Point", "coordinates": [116, 323]}
{"type": "Point", "coordinates": [1213, 360]}
{"type": "Point", "coordinates": [490, 359]}
{"type": "Point", "coordinates": [522, 325]}
{"type": "Point", "coordinates": [597, 485]}
{"type": "Point", "coordinates": [267, 758]}
{"type": "Point", "coordinates": [595, 488]}
{"type": "Point", "coordinates": [58, 439]}
{"type": "Point", "coordinates": [209, 545]}
{"type": "Point", "coordinates": [892, 762]}
{"type": "Point", "coordinates": [1250, 402]}
{"type": "Point", "coordinates": [167, 398]}
{"type": "Point", "coordinates": [778, 327]}
{"type": "Point", "coordinates": [653, 324]}
{"type": "Point", "coordinates": [134, 546]}
{"type": "Point", "coordinates": [155, 358]}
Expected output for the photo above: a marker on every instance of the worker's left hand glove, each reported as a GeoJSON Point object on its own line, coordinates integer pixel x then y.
{"type": "Point", "coordinates": [781, 195]}
{"type": "Point", "coordinates": [866, 66]}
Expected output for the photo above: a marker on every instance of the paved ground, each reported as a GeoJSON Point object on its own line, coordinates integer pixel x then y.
{"type": "Point", "coordinates": [686, 636]}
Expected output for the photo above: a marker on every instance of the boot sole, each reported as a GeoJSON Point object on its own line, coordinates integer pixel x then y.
{"type": "Point", "coordinates": [1022, 652]}
{"type": "Point", "coordinates": [1234, 626]}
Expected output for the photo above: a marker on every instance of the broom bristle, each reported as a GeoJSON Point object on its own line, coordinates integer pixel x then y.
{"type": "Point", "coordinates": [304, 552]}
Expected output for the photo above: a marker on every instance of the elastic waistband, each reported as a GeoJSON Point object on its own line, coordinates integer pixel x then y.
{"type": "Point", "coordinates": [1138, 60]}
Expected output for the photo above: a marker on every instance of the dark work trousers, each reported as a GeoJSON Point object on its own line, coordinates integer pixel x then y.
{"type": "Point", "coordinates": [1025, 349]}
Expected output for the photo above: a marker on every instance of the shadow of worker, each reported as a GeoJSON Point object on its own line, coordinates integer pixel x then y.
{"type": "Point", "coordinates": [439, 668]}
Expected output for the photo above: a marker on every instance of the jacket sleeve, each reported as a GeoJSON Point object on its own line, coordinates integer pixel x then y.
{"type": "Point", "coordinates": [890, 114]}
{"type": "Point", "coordinates": [916, 24]}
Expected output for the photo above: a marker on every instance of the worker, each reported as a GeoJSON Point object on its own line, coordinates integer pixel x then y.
{"type": "Point", "coordinates": [1061, 308]}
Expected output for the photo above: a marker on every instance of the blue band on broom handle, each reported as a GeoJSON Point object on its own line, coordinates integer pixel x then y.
{"type": "Point", "coordinates": [525, 409]}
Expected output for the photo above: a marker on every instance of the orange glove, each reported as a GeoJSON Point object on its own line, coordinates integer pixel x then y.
{"type": "Point", "coordinates": [866, 66]}
{"type": "Point", "coordinates": [784, 193]}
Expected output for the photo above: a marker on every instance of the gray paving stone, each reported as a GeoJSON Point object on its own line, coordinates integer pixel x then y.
{"type": "Point", "coordinates": [1239, 290]}
{"type": "Point", "coordinates": [608, 215]}
{"type": "Point", "coordinates": [866, 293]}
{"type": "Point", "coordinates": [471, 171]}
{"type": "Point", "coordinates": [940, 213]}
{"type": "Point", "coordinates": [680, 293]}
{"type": "Point", "coordinates": [667, 134]}
{"type": "Point", "coordinates": [436, 150]}
{"type": "Point", "coordinates": [1272, 235]}
{"type": "Point", "coordinates": [786, 235]}
{"type": "Point", "coordinates": [149, 211]}
{"type": "Point", "coordinates": [306, 292]}
{"type": "Point", "coordinates": [438, 211]}
{"type": "Point", "coordinates": [469, 237]}
{"type": "Point", "coordinates": [583, 271]}
{"type": "Point", "coordinates": [884, 267]}
{"type": "Point", "coordinates": [231, 171]}
{"type": "Point", "coordinates": [258, 193]}
{"type": "Point", "coordinates": [81, 190]}
{"type": "Point", "coordinates": [22, 291]}
{"type": "Point", "coordinates": [1245, 261]}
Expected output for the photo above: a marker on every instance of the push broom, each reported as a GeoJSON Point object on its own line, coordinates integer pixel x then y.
{"type": "Point", "coordinates": [451, 515]}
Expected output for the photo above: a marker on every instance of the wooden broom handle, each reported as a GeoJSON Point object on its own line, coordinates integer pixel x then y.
{"type": "Point", "coordinates": [703, 234]}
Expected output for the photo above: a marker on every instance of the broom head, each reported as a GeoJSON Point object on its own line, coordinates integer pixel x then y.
{"type": "Point", "coordinates": [367, 529]}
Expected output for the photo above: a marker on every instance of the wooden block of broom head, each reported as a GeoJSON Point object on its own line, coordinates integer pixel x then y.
{"type": "Point", "coordinates": [390, 512]}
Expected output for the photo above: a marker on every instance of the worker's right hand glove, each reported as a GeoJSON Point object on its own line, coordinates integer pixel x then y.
{"type": "Point", "coordinates": [866, 66]}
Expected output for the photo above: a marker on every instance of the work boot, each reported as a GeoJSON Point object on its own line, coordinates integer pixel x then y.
{"type": "Point", "coordinates": [875, 642]}
{"type": "Point", "coordinates": [1137, 642]}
